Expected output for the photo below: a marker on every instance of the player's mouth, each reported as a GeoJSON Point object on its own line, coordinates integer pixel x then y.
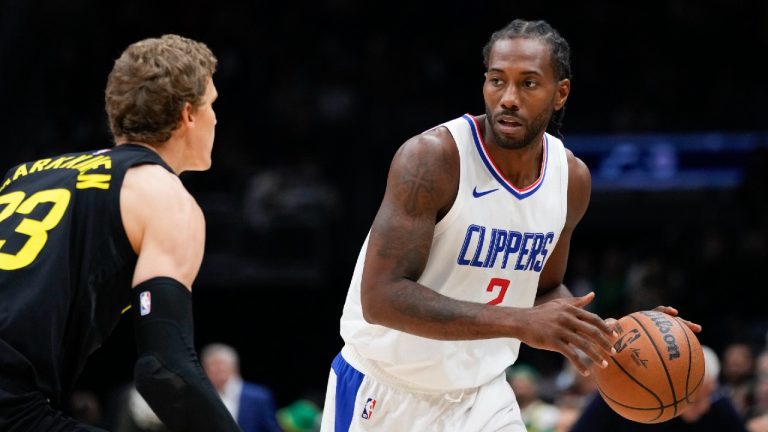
{"type": "Point", "coordinates": [508, 124]}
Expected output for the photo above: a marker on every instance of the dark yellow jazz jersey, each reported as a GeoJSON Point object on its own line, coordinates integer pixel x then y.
{"type": "Point", "coordinates": [65, 264]}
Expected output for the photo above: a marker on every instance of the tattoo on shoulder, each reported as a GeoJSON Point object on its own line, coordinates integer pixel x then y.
{"type": "Point", "coordinates": [417, 186]}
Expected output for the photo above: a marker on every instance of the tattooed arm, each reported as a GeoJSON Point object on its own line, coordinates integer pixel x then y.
{"type": "Point", "coordinates": [421, 187]}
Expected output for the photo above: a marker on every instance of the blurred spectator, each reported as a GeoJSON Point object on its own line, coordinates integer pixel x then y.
{"type": "Point", "coordinates": [570, 410]}
{"type": "Point", "coordinates": [759, 399]}
{"type": "Point", "coordinates": [135, 414]}
{"type": "Point", "coordinates": [758, 424]}
{"type": "Point", "coordinates": [538, 415]}
{"type": "Point", "coordinates": [737, 373]}
{"type": "Point", "coordinates": [574, 388]}
{"type": "Point", "coordinates": [761, 364]}
{"type": "Point", "coordinates": [573, 391]}
{"type": "Point", "coordinates": [757, 413]}
{"type": "Point", "coordinates": [710, 410]}
{"type": "Point", "coordinates": [252, 405]}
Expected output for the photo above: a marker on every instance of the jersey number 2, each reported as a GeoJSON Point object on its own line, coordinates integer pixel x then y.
{"type": "Point", "coordinates": [37, 230]}
{"type": "Point", "coordinates": [503, 284]}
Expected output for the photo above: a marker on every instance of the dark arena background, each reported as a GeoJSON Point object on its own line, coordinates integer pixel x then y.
{"type": "Point", "coordinates": [667, 108]}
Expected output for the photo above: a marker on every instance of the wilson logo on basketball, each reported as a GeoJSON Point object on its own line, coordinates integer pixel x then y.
{"type": "Point", "coordinates": [664, 325]}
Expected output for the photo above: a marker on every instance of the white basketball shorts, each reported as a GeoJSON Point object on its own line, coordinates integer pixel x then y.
{"type": "Point", "coordinates": [356, 402]}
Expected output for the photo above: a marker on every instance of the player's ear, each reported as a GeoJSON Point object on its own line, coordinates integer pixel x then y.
{"type": "Point", "coordinates": [187, 115]}
{"type": "Point", "coordinates": [563, 90]}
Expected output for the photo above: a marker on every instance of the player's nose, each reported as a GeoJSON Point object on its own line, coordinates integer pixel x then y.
{"type": "Point", "coordinates": [510, 98]}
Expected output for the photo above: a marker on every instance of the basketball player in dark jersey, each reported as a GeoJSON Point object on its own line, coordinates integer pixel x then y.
{"type": "Point", "coordinates": [87, 237]}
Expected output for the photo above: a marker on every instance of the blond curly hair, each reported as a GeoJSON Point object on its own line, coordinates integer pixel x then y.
{"type": "Point", "coordinates": [150, 83]}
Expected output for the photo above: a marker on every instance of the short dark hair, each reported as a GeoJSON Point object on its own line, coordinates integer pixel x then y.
{"type": "Point", "coordinates": [543, 31]}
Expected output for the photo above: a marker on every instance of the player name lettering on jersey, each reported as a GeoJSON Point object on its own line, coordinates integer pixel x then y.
{"type": "Point", "coordinates": [82, 163]}
{"type": "Point", "coordinates": [492, 248]}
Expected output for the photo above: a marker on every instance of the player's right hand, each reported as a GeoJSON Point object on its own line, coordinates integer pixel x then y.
{"type": "Point", "coordinates": [564, 326]}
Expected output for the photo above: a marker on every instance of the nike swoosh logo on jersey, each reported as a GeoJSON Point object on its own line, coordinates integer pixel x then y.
{"type": "Point", "coordinates": [477, 194]}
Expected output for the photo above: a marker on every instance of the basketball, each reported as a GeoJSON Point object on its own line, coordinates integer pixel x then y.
{"type": "Point", "coordinates": [657, 368]}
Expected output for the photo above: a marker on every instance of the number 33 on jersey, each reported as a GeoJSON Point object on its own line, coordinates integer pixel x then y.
{"type": "Point", "coordinates": [27, 217]}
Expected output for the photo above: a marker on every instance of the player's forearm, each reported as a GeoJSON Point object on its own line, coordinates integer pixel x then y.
{"type": "Point", "coordinates": [167, 372]}
{"type": "Point", "coordinates": [560, 291]}
{"type": "Point", "coordinates": [413, 308]}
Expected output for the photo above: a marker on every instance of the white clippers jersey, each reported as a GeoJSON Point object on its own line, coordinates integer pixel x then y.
{"type": "Point", "coordinates": [489, 248]}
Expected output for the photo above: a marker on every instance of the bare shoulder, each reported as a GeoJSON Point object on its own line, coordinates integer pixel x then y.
{"type": "Point", "coordinates": [164, 224]}
{"type": "Point", "coordinates": [151, 189]}
{"type": "Point", "coordinates": [579, 188]}
{"type": "Point", "coordinates": [434, 144]}
{"type": "Point", "coordinates": [425, 170]}
{"type": "Point", "coordinates": [578, 172]}
{"type": "Point", "coordinates": [154, 180]}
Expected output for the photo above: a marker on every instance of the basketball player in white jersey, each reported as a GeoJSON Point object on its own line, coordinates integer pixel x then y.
{"type": "Point", "coordinates": [466, 258]}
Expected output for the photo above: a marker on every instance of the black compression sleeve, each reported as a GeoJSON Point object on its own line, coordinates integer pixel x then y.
{"type": "Point", "coordinates": [167, 373]}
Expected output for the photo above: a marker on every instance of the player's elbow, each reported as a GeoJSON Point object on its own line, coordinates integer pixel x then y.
{"type": "Point", "coordinates": [372, 304]}
{"type": "Point", "coordinates": [157, 385]}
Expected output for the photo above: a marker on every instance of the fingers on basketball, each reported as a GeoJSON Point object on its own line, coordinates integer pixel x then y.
{"type": "Point", "coordinates": [656, 371]}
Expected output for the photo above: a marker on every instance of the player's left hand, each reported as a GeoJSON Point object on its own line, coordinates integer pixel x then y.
{"type": "Point", "coordinates": [669, 310]}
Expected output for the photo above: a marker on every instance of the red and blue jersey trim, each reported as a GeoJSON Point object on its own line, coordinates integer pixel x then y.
{"type": "Point", "coordinates": [496, 172]}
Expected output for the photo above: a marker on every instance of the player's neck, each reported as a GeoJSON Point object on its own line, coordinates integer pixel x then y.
{"type": "Point", "coordinates": [171, 152]}
{"type": "Point", "coordinates": [522, 167]}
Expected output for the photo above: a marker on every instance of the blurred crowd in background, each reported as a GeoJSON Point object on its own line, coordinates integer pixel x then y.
{"type": "Point", "coordinates": [733, 397]}
{"type": "Point", "coordinates": [315, 99]}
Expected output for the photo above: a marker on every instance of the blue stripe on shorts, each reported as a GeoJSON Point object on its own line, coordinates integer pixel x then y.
{"type": "Point", "coordinates": [348, 380]}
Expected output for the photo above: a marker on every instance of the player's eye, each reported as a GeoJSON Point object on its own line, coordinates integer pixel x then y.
{"type": "Point", "coordinates": [495, 81]}
{"type": "Point", "coordinates": [530, 84]}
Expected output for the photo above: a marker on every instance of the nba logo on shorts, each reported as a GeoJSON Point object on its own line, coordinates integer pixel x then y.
{"type": "Point", "coordinates": [368, 409]}
{"type": "Point", "coordinates": [145, 302]}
